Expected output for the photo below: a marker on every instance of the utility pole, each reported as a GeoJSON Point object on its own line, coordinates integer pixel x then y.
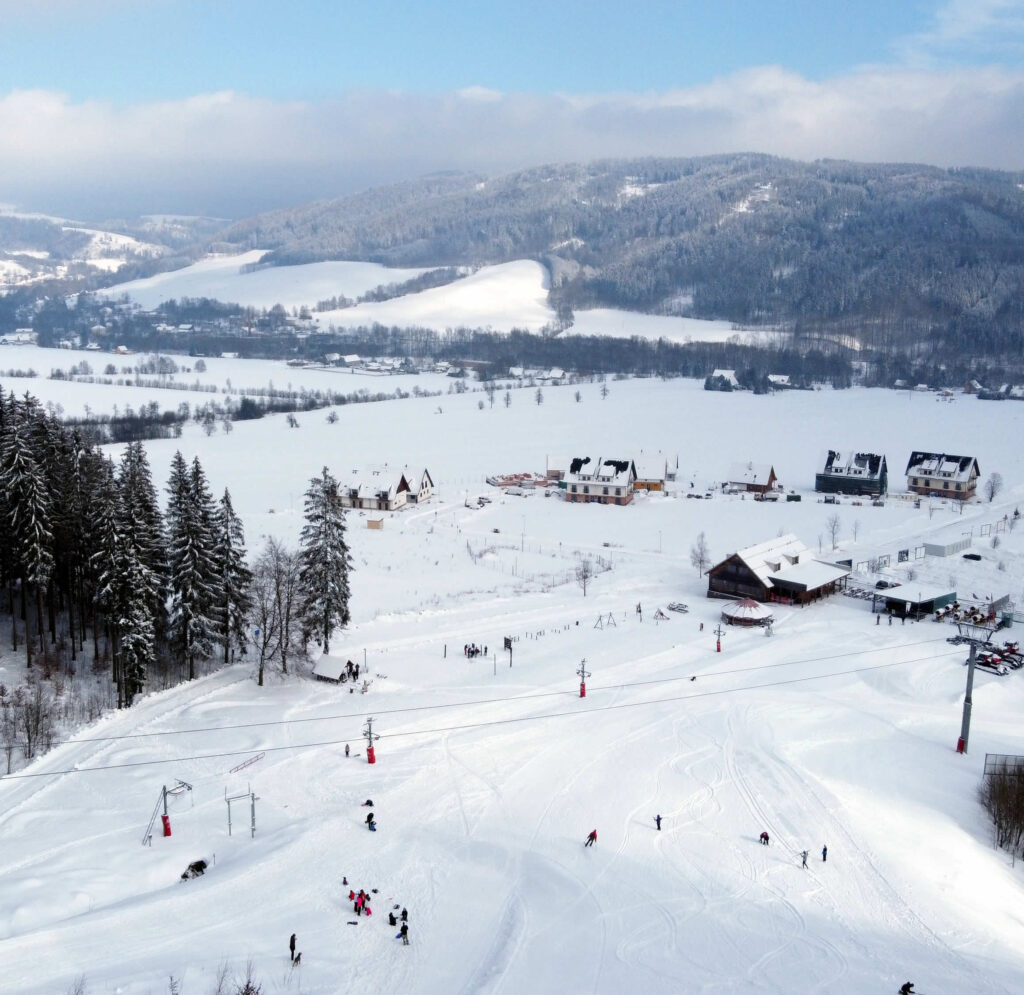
{"type": "Point", "coordinates": [965, 629]}
{"type": "Point", "coordinates": [965, 722]}
{"type": "Point", "coordinates": [584, 674]}
{"type": "Point", "coordinates": [719, 632]}
{"type": "Point", "coordinates": [369, 735]}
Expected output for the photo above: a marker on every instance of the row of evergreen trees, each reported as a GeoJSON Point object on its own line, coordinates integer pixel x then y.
{"type": "Point", "coordinates": [87, 555]}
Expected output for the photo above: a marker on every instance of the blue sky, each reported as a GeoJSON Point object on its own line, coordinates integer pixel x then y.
{"type": "Point", "coordinates": [312, 49]}
{"type": "Point", "coordinates": [225, 106]}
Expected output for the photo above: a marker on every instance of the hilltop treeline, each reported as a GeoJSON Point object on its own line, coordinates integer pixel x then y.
{"type": "Point", "coordinates": [899, 253]}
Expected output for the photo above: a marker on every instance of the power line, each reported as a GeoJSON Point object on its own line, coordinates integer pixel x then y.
{"type": "Point", "coordinates": [476, 725]}
{"type": "Point", "coordinates": [484, 701]}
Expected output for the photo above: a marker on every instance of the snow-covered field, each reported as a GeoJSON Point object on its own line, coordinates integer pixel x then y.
{"type": "Point", "coordinates": [224, 278]}
{"type": "Point", "coordinates": [503, 297]}
{"type": "Point", "coordinates": [489, 776]}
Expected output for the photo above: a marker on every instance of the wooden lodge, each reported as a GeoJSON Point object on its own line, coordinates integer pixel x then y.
{"type": "Point", "coordinates": [754, 478]}
{"type": "Point", "coordinates": [781, 569]}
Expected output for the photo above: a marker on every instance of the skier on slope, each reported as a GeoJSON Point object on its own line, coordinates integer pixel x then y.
{"type": "Point", "coordinates": [591, 838]}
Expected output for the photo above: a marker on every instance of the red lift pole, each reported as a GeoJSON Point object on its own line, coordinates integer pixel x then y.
{"type": "Point", "coordinates": [370, 736]}
{"type": "Point", "coordinates": [718, 637]}
{"type": "Point", "coordinates": [584, 674]}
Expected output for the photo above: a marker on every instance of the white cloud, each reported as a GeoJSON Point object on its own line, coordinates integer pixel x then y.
{"type": "Point", "coordinates": [966, 28]}
{"type": "Point", "coordinates": [228, 153]}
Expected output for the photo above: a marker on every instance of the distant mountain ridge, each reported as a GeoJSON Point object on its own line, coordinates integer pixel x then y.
{"type": "Point", "coordinates": [888, 253]}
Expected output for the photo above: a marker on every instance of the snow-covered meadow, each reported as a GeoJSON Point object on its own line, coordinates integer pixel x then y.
{"type": "Point", "coordinates": [502, 297]}
{"type": "Point", "coordinates": [489, 776]}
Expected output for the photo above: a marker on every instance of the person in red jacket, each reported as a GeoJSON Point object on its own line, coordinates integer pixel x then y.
{"type": "Point", "coordinates": [592, 838]}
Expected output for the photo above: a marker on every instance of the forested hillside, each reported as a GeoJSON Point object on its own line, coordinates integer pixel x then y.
{"type": "Point", "coordinates": [891, 254]}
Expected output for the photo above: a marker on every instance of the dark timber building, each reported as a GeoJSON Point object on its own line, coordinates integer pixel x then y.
{"type": "Point", "coordinates": [853, 473]}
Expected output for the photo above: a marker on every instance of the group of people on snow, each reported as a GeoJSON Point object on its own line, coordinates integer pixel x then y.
{"type": "Point", "coordinates": [764, 840]}
{"type": "Point", "coordinates": [471, 649]}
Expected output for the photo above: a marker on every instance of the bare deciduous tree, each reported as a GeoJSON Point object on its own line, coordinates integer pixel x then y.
{"type": "Point", "coordinates": [993, 486]}
{"type": "Point", "coordinates": [584, 573]}
{"type": "Point", "coordinates": [833, 524]}
{"type": "Point", "coordinates": [700, 554]}
{"type": "Point", "coordinates": [275, 611]}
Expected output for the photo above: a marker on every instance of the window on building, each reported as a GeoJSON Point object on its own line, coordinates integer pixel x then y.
{"type": "Point", "coordinates": [606, 490]}
{"type": "Point", "coordinates": [586, 490]}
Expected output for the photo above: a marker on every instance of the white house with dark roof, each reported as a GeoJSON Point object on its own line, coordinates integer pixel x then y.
{"type": "Point", "coordinates": [943, 475]}
{"type": "Point", "coordinates": [594, 479]}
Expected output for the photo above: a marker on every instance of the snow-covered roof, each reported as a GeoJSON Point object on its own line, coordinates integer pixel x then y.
{"type": "Point", "coordinates": [867, 465]}
{"type": "Point", "coordinates": [371, 483]}
{"type": "Point", "coordinates": [956, 468]}
{"type": "Point", "coordinates": [916, 593]}
{"type": "Point", "coordinates": [773, 556]}
{"type": "Point", "coordinates": [747, 610]}
{"type": "Point", "coordinates": [810, 574]}
{"type": "Point", "coordinates": [750, 473]}
{"type": "Point", "coordinates": [605, 471]}
{"type": "Point", "coordinates": [329, 667]}
{"type": "Point", "coordinates": [729, 375]}
{"type": "Point", "coordinates": [416, 476]}
{"type": "Point", "coordinates": [651, 466]}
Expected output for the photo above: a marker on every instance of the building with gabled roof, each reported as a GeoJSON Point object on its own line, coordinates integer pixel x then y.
{"type": "Point", "coordinates": [750, 476]}
{"type": "Point", "coordinates": [853, 473]}
{"type": "Point", "coordinates": [652, 471]}
{"type": "Point", "coordinates": [384, 488]}
{"type": "Point", "coordinates": [943, 475]}
{"type": "Point", "coordinates": [781, 569]}
{"type": "Point", "coordinates": [597, 480]}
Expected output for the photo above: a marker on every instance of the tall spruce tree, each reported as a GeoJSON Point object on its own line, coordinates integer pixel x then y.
{"type": "Point", "coordinates": [28, 504]}
{"type": "Point", "coordinates": [324, 562]}
{"type": "Point", "coordinates": [192, 567]}
{"type": "Point", "coordinates": [126, 591]}
{"type": "Point", "coordinates": [142, 525]}
{"type": "Point", "coordinates": [135, 595]}
{"type": "Point", "coordinates": [235, 578]}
